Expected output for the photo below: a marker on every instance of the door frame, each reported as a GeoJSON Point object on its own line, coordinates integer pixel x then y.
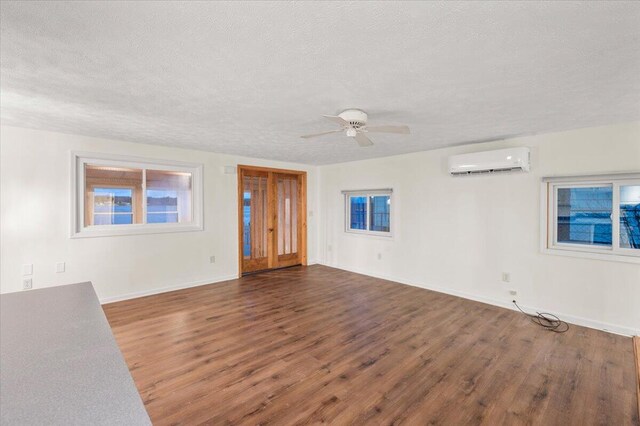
{"type": "Point", "coordinates": [302, 212]}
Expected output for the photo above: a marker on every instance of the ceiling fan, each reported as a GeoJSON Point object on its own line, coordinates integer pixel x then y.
{"type": "Point", "coordinates": [354, 123]}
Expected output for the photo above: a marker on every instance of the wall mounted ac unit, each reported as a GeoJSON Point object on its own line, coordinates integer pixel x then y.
{"type": "Point", "coordinates": [501, 160]}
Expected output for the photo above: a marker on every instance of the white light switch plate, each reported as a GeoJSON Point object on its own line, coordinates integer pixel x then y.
{"type": "Point", "coordinates": [60, 267]}
{"type": "Point", "coordinates": [27, 269]}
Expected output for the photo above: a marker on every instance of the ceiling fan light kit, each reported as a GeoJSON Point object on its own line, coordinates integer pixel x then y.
{"type": "Point", "coordinates": [353, 122]}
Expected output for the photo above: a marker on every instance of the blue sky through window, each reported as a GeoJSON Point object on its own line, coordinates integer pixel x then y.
{"type": "Point", "coordinates": [116, 192]}
{"type": "Point", "coordinates": [161, 193]}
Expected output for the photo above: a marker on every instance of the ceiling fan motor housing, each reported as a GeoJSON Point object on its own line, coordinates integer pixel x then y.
{"type": "Point", "coordinates": [355, 117]}
{"type": "Point", "coordinates": [353, 122]}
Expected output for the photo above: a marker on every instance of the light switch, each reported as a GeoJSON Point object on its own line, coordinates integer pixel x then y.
{"type": "Point", "coordinates": [60, 267]}
{"type": "Point", "coordinates": [27, 269]}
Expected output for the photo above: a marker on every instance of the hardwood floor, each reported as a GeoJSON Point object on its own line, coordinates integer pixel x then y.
{"type": "Point", "coordinates": [321, 345]}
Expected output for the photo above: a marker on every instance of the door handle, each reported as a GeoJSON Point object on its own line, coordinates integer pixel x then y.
{"type": "Point", "coordinates": [270, 229]}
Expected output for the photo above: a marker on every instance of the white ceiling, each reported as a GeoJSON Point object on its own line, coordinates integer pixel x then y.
{"type": "Point", "coordinates": [250, 78]}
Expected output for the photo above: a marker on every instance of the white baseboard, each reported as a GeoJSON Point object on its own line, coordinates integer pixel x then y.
{"type": "Point", "coordinates": [159, 290]}
{"type": "Point", "coordinates": [572, 319]}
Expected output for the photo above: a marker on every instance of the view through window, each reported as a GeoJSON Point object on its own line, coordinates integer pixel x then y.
{"type": "Point", "coordinates": [368, 212]}
{"type": "Point", "coordinates": [602, 216]}
{"type": "Point", "coordinates": [120, 195]}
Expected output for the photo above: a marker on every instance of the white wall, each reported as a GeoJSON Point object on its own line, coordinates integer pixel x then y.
{"type": "Point", "coordinates": [453, 234]}
{"type": "Point", "coordinates": [458, 235]}
{"type": "Point", "coordinates": [35, 220]}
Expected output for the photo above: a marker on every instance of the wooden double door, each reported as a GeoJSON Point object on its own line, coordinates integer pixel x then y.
{"type": "Point", "coordinates": [272, 208]}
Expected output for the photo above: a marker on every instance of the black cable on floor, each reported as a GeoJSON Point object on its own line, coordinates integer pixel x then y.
{"type": "Point", "coordinates": [546, 320]}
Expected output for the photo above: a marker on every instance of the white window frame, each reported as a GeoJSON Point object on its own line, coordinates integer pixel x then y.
{"type": "Point", "coordinates": [80, 159]}
{"type": "Point", "coordinates": [548, 228]}
{"type": "Point", "coordinates": [368, 193]}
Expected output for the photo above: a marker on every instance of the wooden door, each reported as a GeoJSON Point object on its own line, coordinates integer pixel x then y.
{"type": "Point", "coordinates": [272, 218]}
{"type": "Point", "coordinates": [287, 224]}
{"type": "Point", "coordinates": [255, 224]}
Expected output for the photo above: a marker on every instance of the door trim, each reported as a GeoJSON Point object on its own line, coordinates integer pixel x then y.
{"type": "Point", "coordinates": [302, 217]}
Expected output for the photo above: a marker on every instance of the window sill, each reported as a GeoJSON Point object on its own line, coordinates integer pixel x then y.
{"type": "Point", "coordinates": [135, 230]}
{"type": "Point", "coordinates": [611, 257]}
{"type": "Point", "coordinates": [370, 234]}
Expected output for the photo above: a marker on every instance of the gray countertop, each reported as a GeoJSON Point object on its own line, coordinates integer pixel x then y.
{"type": "Point", "coordinates": [60, 364]}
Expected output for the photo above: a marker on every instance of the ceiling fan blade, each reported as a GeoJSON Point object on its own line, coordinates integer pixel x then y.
{"type": "Point", "coordinates": [338, 120]}
{"type": "Point", "coordinates": [320, 134]}
{"type": "Point", "coordinates": [389, 129]}
{"type": "Point", "coordinates": [362, 139]}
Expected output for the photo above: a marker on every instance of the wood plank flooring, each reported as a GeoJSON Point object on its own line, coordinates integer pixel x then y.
{"type": "Point", "coordinates": [320, 345]}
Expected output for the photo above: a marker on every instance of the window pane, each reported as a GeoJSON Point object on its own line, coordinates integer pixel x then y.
{"type": "Point", "coordinates": [287, 202]}
{"type": "Point", "coordinates": [255, 217]}
{"type": "Point", "coordinates": [380, 206]}
{"type": "Point", "coordinates": [630, 216]}
{"type": "Point", "coordinates": [112, 195]}
{"type": "Point", "coordinates": [246, 219]}
{"type": "Point", "coordinates": [358, 219]}
{"type": "Point", "coordinates": [584, 215]}
{"type": "Point", "coordinates": [168, 197]}
{"type": "Point", "coordinates": [112, 206]}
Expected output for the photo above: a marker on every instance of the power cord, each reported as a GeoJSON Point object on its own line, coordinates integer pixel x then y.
{"type": "Point", "coordinates": [546, 320]}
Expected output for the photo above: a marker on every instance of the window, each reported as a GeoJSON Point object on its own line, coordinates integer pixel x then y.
{"type": "Point", "coordinates": [584, 215]}
{"type": "Point", "coordinates": [368, 212]}
{"type": "Point", "coordinates": [630, 216]}
{"type": "Point", "coordinates": [379, 213]}
{"type": "Point", "coordinates": [112, 206]}
{"type": "Point", "coordinates": [593, 217]}
{"type": "Point", "coordinates": [115, 195]}
{"type": "Point", "coordinates": [358, 216]}
{"type": "Point", "coordinates": [168, 196]}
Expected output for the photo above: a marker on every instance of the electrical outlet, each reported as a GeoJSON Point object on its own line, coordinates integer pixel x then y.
{"type": "Point", "coordinates": [513, 292]}
{"type": "Point", "coordinates": [506, 277]}
{"type": "Point", "coordinates": [379, 256]}
{"type": "Point", "coordinates": [60, 267]}
{"type": "Point", "coordinates": [212, 259]}
{"type": "Point", "coordinates": [27, 283]}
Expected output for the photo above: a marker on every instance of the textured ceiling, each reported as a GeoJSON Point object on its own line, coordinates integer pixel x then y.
{"type": "Point", "coordinates": [250, 78]}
